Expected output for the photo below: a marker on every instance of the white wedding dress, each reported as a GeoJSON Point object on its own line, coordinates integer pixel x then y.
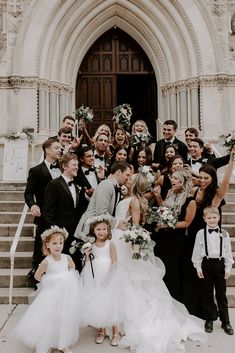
{"type": "Point", "coordinates": [153, 321]}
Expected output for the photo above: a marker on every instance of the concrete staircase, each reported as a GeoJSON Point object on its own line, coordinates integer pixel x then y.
{"type": "Point", "coordinates": [11, 206]}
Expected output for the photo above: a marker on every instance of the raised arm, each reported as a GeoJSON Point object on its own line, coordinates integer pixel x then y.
{"type": "Point", "coordinates": [224, 185]}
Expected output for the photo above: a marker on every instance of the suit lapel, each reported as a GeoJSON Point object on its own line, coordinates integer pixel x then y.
{"type": "Point", "coordinates": [65, 187]}
{"type": "Point", "coordinates": [45, 170]}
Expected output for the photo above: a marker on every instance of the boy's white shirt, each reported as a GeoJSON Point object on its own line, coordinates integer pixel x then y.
{"type": "Point", "coordinates": [213, 245]}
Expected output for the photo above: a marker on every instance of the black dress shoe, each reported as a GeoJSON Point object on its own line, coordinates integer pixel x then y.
{"type": "Point", "coordinates": [209, 326]}
{"type": "Point", "coordinates": [228, 328]}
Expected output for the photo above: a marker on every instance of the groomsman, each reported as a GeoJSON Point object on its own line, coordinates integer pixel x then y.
{"type": "Point", "coordinates": [101, 146]}
{"type": "Point", "coordinates": [169, 130]}
{"type": "Point", "coordinates": [87, 178]}
{"type": "Point", "coordinates": [105, 198]}
{"type": "Point", "coordinates": [61, 201]}
{"type": "Point", "coordinates": [197, 158]}
{"type": "Point", "coordinates": [38, 178]}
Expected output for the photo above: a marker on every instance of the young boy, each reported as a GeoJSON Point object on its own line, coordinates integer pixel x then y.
{"type": "Point", "coordinates": [212, 258]}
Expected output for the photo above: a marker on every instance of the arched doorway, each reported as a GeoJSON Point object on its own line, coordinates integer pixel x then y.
{"type": "Point", "coordinates": [116, 70]}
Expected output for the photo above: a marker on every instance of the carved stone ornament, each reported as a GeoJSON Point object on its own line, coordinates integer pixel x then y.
{"type": "Point", "coordinates": [15, 7]}
{"type": "Point", "coordinates": [219, 7]}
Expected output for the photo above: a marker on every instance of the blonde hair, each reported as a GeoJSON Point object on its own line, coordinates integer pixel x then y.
{"type": "Point", "coordinates": [48, 234]}
{"type": "Point", "coordinates": [100, 132]}
{"type": "Point", "coordinates": [210, 209]}
{"type": "Point", "coordinates": [146, 130]}
{"type": "Point", "coordinates": [139, 187]}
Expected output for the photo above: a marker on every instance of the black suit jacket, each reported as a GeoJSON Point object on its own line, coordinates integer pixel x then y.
{"type": "Point", "coordinates": [59, 206]}
{"type": "Point", "coordinates": [38, 178]}
{"type": "Point", "coordinates": [82, 181]}
{"type": "Point", "coordinates": [214, 161]}
{"type": "Point", "coordinates": [160, 147]}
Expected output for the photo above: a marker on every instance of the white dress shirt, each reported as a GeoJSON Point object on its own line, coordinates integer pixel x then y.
{"type": "Point", "coordinates": [71, 188]}
{"type": "Point", "coordinates": [213, 245]}
{"type": "Point", "coordinates": [55, 172]}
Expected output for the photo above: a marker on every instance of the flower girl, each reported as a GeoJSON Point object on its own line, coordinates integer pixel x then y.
{"type": "Point", "coordinates": [52, 320]}
{"type": "Point", "coordinates": [100, 297]}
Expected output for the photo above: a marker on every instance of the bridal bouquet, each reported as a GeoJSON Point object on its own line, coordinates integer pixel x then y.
{"type": "Point", "coordinates": [84, 113]}
{"type": "Point", "coordinates": [162, 216]}
{"type": "Point", "coordinates": [140, 241]}
{"type": "Point", "coordinates": [122, 115]}
{"type": "Point", "coordinates": [148, 173]}
{"type": "Point", "coordinates": [228, 140]}
{"type": "Point", "coordinates": [140, 137]}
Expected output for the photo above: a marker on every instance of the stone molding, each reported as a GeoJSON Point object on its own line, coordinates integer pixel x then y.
{"type": "Point", "coordinates": [17, 82]}
{"type": "Point", "coordinates": [219, 81]}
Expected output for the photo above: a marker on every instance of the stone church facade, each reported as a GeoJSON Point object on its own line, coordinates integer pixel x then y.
{"type": "Point", "coordinates": [189, 43]}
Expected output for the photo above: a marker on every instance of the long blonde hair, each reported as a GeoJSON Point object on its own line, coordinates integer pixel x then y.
{"type": "Point", "coordinates": [139, 188]}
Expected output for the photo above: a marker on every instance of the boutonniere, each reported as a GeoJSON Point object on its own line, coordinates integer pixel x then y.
{"type": "Point", "coordinates": [204, 160]}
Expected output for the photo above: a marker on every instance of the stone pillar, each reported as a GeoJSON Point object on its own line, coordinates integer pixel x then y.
{"type": "Point", "coordinates": [53, 111]}
{"type": "Point", "coordinates": [194, 107]}
{"type": "Point", "coordinates": [183, 104]}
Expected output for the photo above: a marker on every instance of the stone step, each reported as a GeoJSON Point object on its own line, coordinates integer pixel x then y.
{"type": "Point", "coordinates": [11, 206]}
{"type": "Point", "coordinates": [229, 207]}
{"type": "Point", "coordinates": [231, 280]}
{"type": "Point", "coordinates": [228, 217]}
{"type": "Point", "coordinates": [22, 259]}
{"type": "Point", "coordinates": [20, 295]}
{"type": "Point", "coordinates": [9, 230]}
{"type": "Point", "coordinates": [14, 217]}
{"type": "Point", "coordinates": [230, 197]}
{"type": "Point", "coordinates": [231, 297]}
{"type": "Point", "coordinates": [20, 277]}
{"type": "Point", "coordinates": [232, 239]}
{"type": "Point", "coordinates": [230, 229]}
{"type": "Point", "coordinates": [10, 187]}
{"type": "Point", "coordinates": [12, 196]}
{"type": "Point", "coordinates": [24, 244]}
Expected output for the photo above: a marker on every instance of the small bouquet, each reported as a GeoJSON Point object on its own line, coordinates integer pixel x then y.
{"type": "Point", "coordinates": [140, 137]}
{"type": "Point", "coordinates": [81, 245]}
{"type": "Point", "coordinates": [122, 115]}
{"type": "Point", "coordinates": [228, 140]}
{"type": "Point", "coordinates": [162, 216]}
{"type": "Point", "coordinates": [140, 241]}
{"type": "Point", "coordinates": [148, 173]}
{"type": "Point", "coordinates": [83, 115]}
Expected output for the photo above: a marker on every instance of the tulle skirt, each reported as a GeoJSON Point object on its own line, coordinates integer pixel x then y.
{"type": "Point", "coordinates": [101, 302]}
{"type": "Point", "coordinates": [153, 321]}
{"type": "Point", "coordinates": [52, 320]}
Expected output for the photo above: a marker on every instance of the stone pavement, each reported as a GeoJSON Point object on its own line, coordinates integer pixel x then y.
{"type": "Point", "coordinates": [218, 341]}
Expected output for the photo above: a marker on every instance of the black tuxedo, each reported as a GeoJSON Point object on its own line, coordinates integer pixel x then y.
{"type": "Point", "coordinates": [59, 209]}
{"type": "Point", "coordinates": [160, 146]}
{"type": "Point", "coordinates": [213, 161]}
{"type": "Point", "coordinates": [38, 178]}
{"type": "Point", "coordinates": [83, 182]}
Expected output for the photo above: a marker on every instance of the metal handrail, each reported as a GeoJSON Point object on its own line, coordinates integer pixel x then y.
{"type": "Point", "coordinates": [12, 253]}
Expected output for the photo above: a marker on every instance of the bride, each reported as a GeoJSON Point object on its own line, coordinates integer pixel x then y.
{"type": "Point", "coordinates": [153, 321]}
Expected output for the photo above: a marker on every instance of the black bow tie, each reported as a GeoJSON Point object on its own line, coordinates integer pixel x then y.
{"type": "Point", "coordinates": [101, 158]}
{"type": "Point", "coordinates": [54, 165]}
{"type": "Point", "coordinates": [196, 161]}
{"type": "Point", "coordinates": [213, 230]}
{"type": "Point", "coordinates": [167, 143]}
{"type": "Point", "coordinates": [87, 172]}
{"type": "Point", "coordinates": [70, 182]}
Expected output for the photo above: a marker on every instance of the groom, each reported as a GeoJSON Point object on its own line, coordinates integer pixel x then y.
{"type": "Point", "coordinates": [105, 198]}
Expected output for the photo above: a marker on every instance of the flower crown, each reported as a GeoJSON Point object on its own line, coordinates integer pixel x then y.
{"type": "Point", "coordinates": [99, 219]}
{"type": "Point", "coordinates": [53, 230]}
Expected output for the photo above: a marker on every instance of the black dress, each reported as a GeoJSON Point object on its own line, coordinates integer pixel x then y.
{"type": "Point", "coordinates": [170, 248]}
{"type": "Point", "coordinates": [192, 284]}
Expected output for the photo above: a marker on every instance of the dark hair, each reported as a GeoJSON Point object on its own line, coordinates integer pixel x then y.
{"type": "Point", "coordinates": [171, 122]}
{"type": "Point", "coordinates": [210, 189]}
{"type": "Point", "coordinates": [126, 142]}
{"type": "Point", "coordinates": [93, 225]}
{"type": "Point", "coordinates": [81, 151]}
{"type": "Point", "coordinates": [69, 117]}
{"type": "Point", "coordinates": [46, 144]}
{"type": "Point", "coordinates": [174, 158]}
{"type": "Point", "coordinates": [164, 164]}
{"type": "Point", "coordinates": [66, 158]}
{"type": "Point", "coordinates": [123, 166]}
{"type": "Point", "coordinates": [64, 130]}
{"type": "Point", "coordinates": [148, 154]}
{"type": "Point", "coordinates": [199, 141]}
{"type": "Point", "coordinates": [101, 133]}
{"type": "Point", "coordinates": [192, 130]}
